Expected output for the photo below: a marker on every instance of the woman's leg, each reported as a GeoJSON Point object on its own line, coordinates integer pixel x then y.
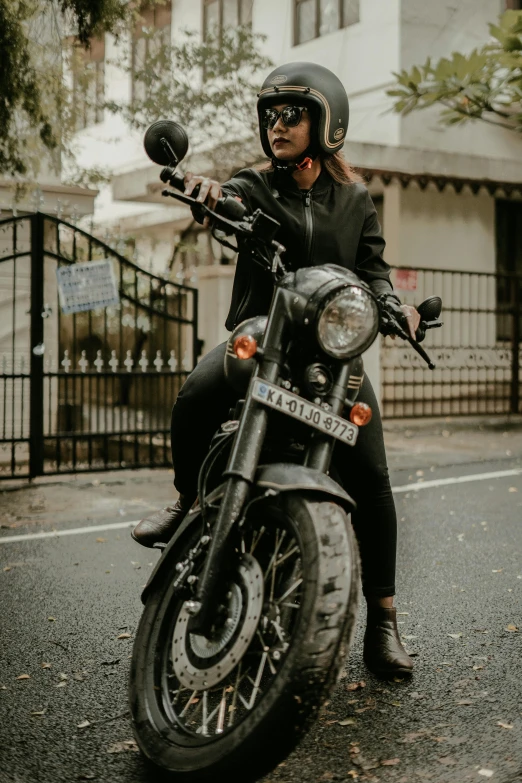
{"type": "Point", "coordinates": [201, 406]}
{"type": "Point", "coordinates": [363, 472]}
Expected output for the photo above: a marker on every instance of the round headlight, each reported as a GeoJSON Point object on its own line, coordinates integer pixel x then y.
{"type": "Point", "coordinates": [349, 323]}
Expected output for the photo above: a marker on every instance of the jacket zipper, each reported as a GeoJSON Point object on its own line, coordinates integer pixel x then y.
{"type": "Point", "coordinates": [309, 224]}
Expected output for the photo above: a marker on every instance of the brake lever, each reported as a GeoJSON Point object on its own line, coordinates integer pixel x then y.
{"type": "Point", "coordinates": [390, 325]}
{"type": "Point", "coordinates": [219, 220]}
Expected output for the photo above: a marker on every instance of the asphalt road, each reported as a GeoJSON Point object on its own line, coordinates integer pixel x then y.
{"type": "Point", "coordinates": [66, 600]}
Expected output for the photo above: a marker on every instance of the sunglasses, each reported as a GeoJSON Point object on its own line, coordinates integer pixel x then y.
{"type": "Point", "coordinates": [290, 116]}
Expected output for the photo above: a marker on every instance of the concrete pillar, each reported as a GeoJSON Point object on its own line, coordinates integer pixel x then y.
{"type": "Point", "coordinates": [215, 292]}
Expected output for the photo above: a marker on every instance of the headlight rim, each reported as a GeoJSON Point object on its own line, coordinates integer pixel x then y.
{"type": "Point", "coordinates": [331, 296]}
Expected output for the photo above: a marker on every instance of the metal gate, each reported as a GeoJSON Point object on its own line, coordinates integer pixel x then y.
{"type": "Point", "coordinates": [91, 390]}
{"type": "Point", "coordinates": [477, 351]}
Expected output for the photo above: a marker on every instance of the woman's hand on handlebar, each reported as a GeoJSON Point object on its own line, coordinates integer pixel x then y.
{"type": "Point", "coordinates": [413, 318]}
{"type": "Point", "coordinates": [209, 189]}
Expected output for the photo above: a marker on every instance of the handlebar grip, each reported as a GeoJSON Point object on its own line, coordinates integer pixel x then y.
{"type": "Point", "coordinates": [231, 208]}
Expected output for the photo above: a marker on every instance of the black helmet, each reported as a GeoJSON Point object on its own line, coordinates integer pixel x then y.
{"type": "Point", "coordinates": [311, 84]}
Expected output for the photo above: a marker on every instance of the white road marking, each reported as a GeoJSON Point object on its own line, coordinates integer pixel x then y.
{"type": "Point", "coordinates": [457, 480]}
{"type": "Point", "coordinates": [396, 490]}
{"type": "Point", "coordinates": [76, 531]}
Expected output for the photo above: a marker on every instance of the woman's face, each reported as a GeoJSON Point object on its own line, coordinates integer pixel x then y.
{"type": "Point", "coordinates": [289, 143]}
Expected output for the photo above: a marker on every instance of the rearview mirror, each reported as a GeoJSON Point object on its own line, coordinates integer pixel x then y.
{"type": "Point", "coordinates": [166, 143]}
{"type": "Point", "coordinates": [430, 309]}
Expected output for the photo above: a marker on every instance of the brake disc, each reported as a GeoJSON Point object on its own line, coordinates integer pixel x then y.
{"type": "Point", "coordinates": [200, 663]}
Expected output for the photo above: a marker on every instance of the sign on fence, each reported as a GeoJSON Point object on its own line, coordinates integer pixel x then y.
{"type": "Point", "coordinates": [87, 286]}
{"type": "Point", "coordinates": [405, 279]}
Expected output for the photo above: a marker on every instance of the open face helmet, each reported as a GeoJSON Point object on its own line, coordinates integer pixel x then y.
{"type": "Point", "coordinates": [313, 86]}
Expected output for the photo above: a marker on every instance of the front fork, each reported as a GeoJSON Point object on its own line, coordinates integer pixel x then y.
{"type": "Point", "coordinates": [241, 469]}
{"type": "Point", "coordinates": [244, 460]}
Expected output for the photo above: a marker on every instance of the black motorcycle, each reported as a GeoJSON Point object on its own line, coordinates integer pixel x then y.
{"type": "Point", "coordinates": [250, 611]}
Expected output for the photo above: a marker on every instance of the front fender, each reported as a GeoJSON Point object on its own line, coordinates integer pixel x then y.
{"type": "Point", "coordinates": [289, 477]}
{"type": "Point", "coordinates": [270, 480]}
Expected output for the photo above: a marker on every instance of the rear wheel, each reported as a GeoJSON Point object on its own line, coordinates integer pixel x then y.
{"type": "Point", "coordinates": [237, 703]}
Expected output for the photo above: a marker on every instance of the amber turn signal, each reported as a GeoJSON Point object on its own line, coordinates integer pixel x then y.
{"type": "Point", "coordinates": [245, 346]}
{"type": "Point", "coordinates": [360, 414]}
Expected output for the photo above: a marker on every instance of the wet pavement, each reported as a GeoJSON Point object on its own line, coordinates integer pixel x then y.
{"type": "Point", "coordinates": [70, 606]}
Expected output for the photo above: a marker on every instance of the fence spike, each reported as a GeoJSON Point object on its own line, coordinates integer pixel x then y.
{"type": "Point", "coordinates": [98, 362]}
{"type": "Point", "coordinates": [158, 361]}
{"type": "Point", "coordinates": [129, 362]}
{"type": "Point", "coordinates": [66, 362]}
{"type": "Point", "coordinates": [83, 362]}
{"type": "Point", "coordinates": [172, 362]}
{"type": "Point", "coordinates": [143, 362]}
{"type": "Point", "coordinates": [113, 362]}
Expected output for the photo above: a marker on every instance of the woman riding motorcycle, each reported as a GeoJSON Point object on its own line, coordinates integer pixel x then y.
{"type": "Point", "coordinates": [326, 216]}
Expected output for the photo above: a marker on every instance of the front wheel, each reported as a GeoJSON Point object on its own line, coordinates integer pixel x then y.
{"type": "Point", "coordinates": [236, 704]}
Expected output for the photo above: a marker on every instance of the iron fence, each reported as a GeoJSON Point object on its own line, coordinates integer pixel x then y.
{"type": "Point", "coordinates": [477, 351]}
{"type": "Point", "coordinates": [90, 390]}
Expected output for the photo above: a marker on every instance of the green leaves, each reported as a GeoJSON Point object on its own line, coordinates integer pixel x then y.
{"type": "Point", "coordinates": [485, 84]}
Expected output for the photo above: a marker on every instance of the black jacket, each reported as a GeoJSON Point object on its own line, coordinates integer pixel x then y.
{"type": "Point", "coordinates": [330, 223]}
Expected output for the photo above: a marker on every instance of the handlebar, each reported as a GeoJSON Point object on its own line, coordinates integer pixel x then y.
{"type": "Point", "coordinates": [390, 325]}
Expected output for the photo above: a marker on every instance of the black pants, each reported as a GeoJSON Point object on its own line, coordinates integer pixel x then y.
{"type": "Point", "coordinates": [204, 402]}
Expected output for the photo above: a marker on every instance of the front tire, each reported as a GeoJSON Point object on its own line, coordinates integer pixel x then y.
{"type": "Point", "coordinates": [290, 646]}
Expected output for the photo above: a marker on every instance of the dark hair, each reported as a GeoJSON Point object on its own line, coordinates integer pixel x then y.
{"type": "Point", "coordinates": [336, 165]}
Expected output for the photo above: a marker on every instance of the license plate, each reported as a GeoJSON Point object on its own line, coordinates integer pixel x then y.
{"type": "Point", "coordinates": [305, 411]}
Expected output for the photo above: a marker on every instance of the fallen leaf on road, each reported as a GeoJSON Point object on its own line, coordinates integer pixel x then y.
{"type": "Point", "coordinates": [120, 747]}
{"type": "Point", "coordinates": [419, 473]}
{"type": "Point", "coordinates": [390, 762]}
{"type": "Point", "coordinates": [7, 568]}
{"type": "Point", "coordinates": [464, 703]}
{"type": "Point", "coordinates": [38, 713]}
{"type": "Point", "coordinates": [487, 773]}
{"type": "Point", "coordinates": [412, 736]}
{"type": "Point", "coordinates": [79, 676]}
{"type": "Point", "coordinates": [505, 725]}
{"type": "Point", "coordinates": [63, 676]}
{"type": "Point", "coordinates": [513, 489]}
{"type": "Point", "coordinates": [86, 776]}
{"type": "Point", "coordinates": [347, 722]}
{"type": "Point", "coordinates": [61, 684]}
{"type": "Point", "coordinates": [83, 724]}
{"type": "Point", "coordinates": [477, 668]}
{"type": "Point", "coordinates": [23, 677]}
{"type": "Point", "coordinates": [46, 665]}
{"type": "Point", "coordinates": [327, 776]}
{"type": "Point", "coordinates": [364, 709]}
{"type": "Point", "coordinates": [416, 695]}
{"type": "Point", "coordinates": [111, 663]}
{"type": "Point", "coordinates": [101, 540]}
{"type": "Point", "coordinates": [356, 686]}
{"type": "Point", "coordinates": [353, 774]}
{"type": "Point", "coordinates": [447, 761]}
{"type": "Point", "coordinates": [511, 627]}
{"type": "Point", "coordinates": [409, 636]}
{"type": "Point", "coordinates": [124, 636]}
{"type": "Point", "coordinates": [496, 570]}
{"type": "Point", "coordinates": [455, 635]}
{"type": "Point", "coordinates": [401, 614]}
{"type": "Point", "coordinates": [52, 619]}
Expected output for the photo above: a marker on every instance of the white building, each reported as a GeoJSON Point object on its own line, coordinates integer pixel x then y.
{"type": "Point", "coordinates": [449, 198]}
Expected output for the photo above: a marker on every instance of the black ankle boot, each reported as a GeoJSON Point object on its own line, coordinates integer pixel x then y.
{"type": "Point", "coordinates": [161, 526]}
{"type": "Point", "coordinates": [384, 654]}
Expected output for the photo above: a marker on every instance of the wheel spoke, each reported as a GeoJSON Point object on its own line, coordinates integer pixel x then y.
{"type": "Point", "coordinates": [220, 702]}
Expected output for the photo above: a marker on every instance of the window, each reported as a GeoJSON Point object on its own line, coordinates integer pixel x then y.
{"type": "Point", "coordinates": [218, 14]}
{"type": "Point", "coordinates": [88, 70]}
{"type": "Point", "coordinates": [158, 19]}
{"type": "Point", "coordinates": [514, 5]}
{"type": "Point", "coordinates": [313, 18]}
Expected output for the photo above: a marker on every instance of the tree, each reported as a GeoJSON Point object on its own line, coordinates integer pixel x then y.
{"type": "Point", "coordinates": [208, 86]}
{"type": "Point", "coordinates": [35, 111]}
{"type": "Point", "coordinates": [484, 85]}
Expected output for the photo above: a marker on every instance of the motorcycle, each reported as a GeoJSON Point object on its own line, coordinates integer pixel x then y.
{"type": "Point", "coordinates": [250, 611]}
